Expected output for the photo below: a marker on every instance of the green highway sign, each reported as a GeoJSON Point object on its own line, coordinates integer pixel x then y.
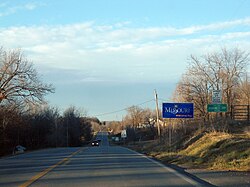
{"type": "Point", "coordinates": [217, 107]}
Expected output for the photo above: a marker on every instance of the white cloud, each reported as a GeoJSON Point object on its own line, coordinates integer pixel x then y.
{"type": "Point", "coordinates": [119, 52]}
{"type": "Point", "coordinates": [31, 6]}
{"type": "Point", "coordinates": [3, 4]}
{"type": "Point", "coordinates": [217, 26]}
{"type": "Point", "coordinates": [8, 9]}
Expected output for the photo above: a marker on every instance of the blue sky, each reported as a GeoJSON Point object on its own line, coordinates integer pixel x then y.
{"type": "Point", "coordinates": [106, 55]}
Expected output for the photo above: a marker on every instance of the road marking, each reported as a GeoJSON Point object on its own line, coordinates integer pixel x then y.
{"type": "Point", "coordinates": [44, 172]}
{"type": "Point", "coordinates": [67, 162]}
{"type": "Point", "coordinates": [189, 180]}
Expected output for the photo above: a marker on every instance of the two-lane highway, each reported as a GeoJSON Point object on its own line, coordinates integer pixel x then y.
{"type": "Point", "coordinates": [102, 166]}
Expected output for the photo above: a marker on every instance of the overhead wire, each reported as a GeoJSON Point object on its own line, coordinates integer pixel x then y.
{"type": "Point", "coordinates": [233, 17]}
{"type": "Point", "coordinates": [116, 111]}
{"type": "Point", "coordinates": [163, 100]}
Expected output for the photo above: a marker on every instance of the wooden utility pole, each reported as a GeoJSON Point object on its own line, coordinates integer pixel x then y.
{"type": "Point", "coordinates": [2, 95]}
{"type": "Point", "coordinates": [67, 132]}
{"type": "Point", "coordinates": [247, 90]}
{"type": "Point", "coordinates": [157, 114]}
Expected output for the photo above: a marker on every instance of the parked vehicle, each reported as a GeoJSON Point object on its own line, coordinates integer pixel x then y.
{"type": "Point", "coordinates": [19, 149]}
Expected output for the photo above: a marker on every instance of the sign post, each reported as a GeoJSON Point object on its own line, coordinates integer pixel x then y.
{"type": "Point", "coordinates": [217, 105]}
{"type": "Point", "coordinates": [177, 110]}
{"type": "Point", "coordinates": [124, 134]}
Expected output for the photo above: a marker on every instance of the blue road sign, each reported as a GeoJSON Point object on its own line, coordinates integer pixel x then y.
{"type": "Point", "coordinates": [178, 110]}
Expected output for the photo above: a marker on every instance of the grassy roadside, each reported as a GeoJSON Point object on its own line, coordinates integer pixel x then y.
{"type": "Point", "coordinates": [216, 151]}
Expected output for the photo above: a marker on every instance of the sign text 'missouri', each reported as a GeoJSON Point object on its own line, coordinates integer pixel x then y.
{"type": "Point", "coordinates": [177, 110]}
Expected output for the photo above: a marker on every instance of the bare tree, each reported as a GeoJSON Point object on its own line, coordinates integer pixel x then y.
{"type": "Point", "coordinates": [234, 68]}
{"type": "Point", "coordinates": [19, 80]}
{"type": "Point", "coordinates": [114, 126]}
{"type": "Point", "coordinates": [245, 91]}
{"type": "Point", "coordinates": [221, 70]}
{"type": "Point", "coordinates": [134, 116]}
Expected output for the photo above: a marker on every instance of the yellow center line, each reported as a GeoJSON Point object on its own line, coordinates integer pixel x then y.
{"type": "Point", "coordinates": [67, 162]}
{"type": "Point", "coordinates": [44, 172]}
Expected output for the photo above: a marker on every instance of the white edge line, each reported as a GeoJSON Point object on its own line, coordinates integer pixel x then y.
{"type": "Point", "coordinates": [189, 180]}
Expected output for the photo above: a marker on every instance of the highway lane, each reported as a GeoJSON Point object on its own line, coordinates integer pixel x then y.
{"type": "Point", "coordinates": [16, 170]}
{"type": "Point", "coordinates": [94, 166]}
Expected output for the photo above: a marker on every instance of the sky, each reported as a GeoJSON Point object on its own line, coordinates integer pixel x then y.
{"type": "Point", "coordinates": [106, 55]}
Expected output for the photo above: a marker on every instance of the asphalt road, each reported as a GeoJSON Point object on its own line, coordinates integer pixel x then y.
{"type": "Point", "coordinates": [102, 166]}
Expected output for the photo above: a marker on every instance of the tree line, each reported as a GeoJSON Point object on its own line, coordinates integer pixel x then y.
{"type": "Point", "coordinates": [22, 92]}
{"type": "Point", "coordinates": [25, 118]}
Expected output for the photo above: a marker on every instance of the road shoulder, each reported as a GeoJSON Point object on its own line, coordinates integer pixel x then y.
{"type": "Point", "coordinates": [222, 178]}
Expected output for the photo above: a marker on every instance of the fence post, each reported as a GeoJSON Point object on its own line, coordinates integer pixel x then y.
{"type": "Point", "coordinates": [232, 113]}
{"type": "Point", "coordinates": [248, 113]}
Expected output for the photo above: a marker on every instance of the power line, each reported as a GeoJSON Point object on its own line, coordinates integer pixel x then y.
{"type": "Point", "coordinates": [116, 111]}
{"type": "Point", "coordinates": [163, 100]}
{"type": "Point", "coordinates": [233, 17]}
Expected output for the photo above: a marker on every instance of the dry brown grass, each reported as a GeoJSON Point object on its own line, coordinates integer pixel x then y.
{"type": "Point", "coordinates": [219, 151]}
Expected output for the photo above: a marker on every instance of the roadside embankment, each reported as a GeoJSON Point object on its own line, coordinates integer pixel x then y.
{"type": "Point", "coordinates": [214, 151]}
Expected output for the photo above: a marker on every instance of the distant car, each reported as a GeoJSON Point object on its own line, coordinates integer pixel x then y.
{"type": "Point", "coordinates": [95, 143]}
